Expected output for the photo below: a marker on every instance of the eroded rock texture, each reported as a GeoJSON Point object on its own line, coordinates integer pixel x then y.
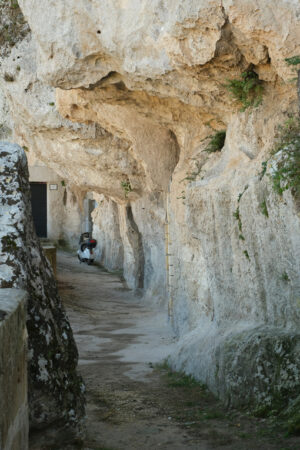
{"type": "Point", "coordinates": [55, 389]}
{"type": "Point", "coordinates": [119, 97]}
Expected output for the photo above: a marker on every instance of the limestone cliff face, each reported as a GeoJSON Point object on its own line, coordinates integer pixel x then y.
{"type": "Point", "coordinates": [56, 391]}
{"type": "Point", "coordinates": [129, 91]}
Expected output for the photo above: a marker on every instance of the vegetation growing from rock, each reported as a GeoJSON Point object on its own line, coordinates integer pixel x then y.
{"type": "Point", "coordinates": [285, 166]}
{"type": "Point", "coordinates": [293, 61]}
{"type": "Point", "coordinates": [13, 27]}
{"type": "Point", "coordinates": [248, 89]}
{"type": "Point", "coordinates": [191, 176]}
{"type": "Point", "coordinates": [264, 208]}
{"type": "Point", "coordinates": [237, 216]}
{"type": "Point", "coordinates": [216, 142]}
{"type": "Point", "coordinates": [126, 187]}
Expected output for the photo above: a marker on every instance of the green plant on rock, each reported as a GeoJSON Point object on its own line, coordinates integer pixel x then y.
{"type": "Point", "coordinates": [178, 379]}
{"type": "Point", "coordinates": [192, 176]}
{"type": "Point", "coordinates": [216, 142]}
{"type": "Point", "coordinates": [263, 208]}
{"type": "Point", "coordinates": [8, 77]}
{"type": "Point", "coordinates": [242, 193]}
{"type": "Point", "coordinates": [182, 196]}
{"type": "Point", "coordinates": [248, 89]}
{"type": "Point", "coordinates": [285, 277]}
{"type": "Point", "coordinates": [126, 187]}
{"type": "Point", "coordinates": [285, 166]}
{"type": "Point", "coordinates": [293, 61]}
{"type": "Point", "coordinates": [14, 4]}
{"type": "Point", "coordinates": [237, 216]}
{"type": "Point", "coordinates": [246, 254]}
{"type": "Point", "coordinates": [264, 166]}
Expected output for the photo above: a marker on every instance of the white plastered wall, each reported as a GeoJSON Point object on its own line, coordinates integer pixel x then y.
{"type": "Point", "coordinates": [63, 213]}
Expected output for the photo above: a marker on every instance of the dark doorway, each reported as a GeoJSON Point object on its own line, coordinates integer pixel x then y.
{"type": "Point", "coordinates": [39, 207]}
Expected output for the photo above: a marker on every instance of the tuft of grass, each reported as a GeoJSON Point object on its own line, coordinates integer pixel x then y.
{"type": "Point", "coordinates": [126, 187]}
{"type": "Point", "coordinates": [293, 61]}
{"type": "Point", "coordinates": [213, 414]}
{"type": "Point", "coordinates": [179, 379]}
{"type": "Point", "coordinates": [242, 193]}
{"type": "Point", "coordinates": [237, 216]}
{"type": "Point", "coordinates": [264, 165]}
{"type": "Point", "coordinates": [182, 196]}
{"type": "Point", "coordinates": [244, 435]}
{"type": "Point", "coordinates": [263, 208]}
{"type": "Point", "coordinates": [14, 4]}
{"type": "Point", "coordinates": [246, 254]}
{"type": "Point", "coordinates": [216, 142]}
{"type": "Point", "coordinates": [193, 175]}
{"type": "Point", "coordinates": [285, 277]}
{"type": "Point", "coordinates": [8, 77]}
{"type": "Point", "coordinates": [51, 103]}
{"type": "Point", "coordinates": [247, 90]}
{"type": "Point", "coordinates": [293, 425]}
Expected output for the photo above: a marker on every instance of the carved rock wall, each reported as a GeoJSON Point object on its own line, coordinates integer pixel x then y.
{"type": "Point", "coordinates": [119, 97]}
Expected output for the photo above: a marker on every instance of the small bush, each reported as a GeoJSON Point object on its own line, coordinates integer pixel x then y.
{"type": "Point", "coordinates": [248, 90]}
{"type": "Point", "coordinates": [285, 168]}
{"type": "Point", "coordinates": [216, 142]}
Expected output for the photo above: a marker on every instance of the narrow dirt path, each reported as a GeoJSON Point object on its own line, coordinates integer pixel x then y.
{"type": "Point", "coordinates": [130, 404]}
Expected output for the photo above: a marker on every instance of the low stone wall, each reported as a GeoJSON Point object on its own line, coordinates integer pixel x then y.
{"type": "Point", "coordinates": [13, 370]}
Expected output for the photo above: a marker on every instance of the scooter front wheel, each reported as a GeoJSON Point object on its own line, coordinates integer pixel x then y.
{"type": "Point", "coordinates": [80, 260]}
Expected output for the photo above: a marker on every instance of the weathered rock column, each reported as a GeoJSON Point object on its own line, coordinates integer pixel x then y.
{"type": "Point", "coordinates": [55, 390]}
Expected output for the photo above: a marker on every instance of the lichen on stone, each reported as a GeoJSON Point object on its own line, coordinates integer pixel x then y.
{"type": "Point", "coordinates": [54, 385]}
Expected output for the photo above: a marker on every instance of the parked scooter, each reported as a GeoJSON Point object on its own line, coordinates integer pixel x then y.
{"type": "Point", "coordinates": [85, 252]}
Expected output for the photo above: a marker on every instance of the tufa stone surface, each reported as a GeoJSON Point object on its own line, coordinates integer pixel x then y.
{"type": "Point", "coordinates": [138, 88]}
